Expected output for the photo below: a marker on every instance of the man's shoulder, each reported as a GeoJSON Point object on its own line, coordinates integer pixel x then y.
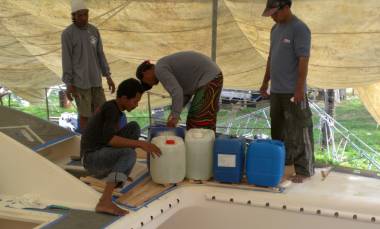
{"type": "Point", "coordinates": [162, 63]}
{"type": "Point", "coordinates": [299, 25]}
{"type": "Point", "coordinates": [92, 27]}
{"type": "Point", "coordinates": [71, 29]}
{"type": "Point", "coordinates": [109, 104]}
{"type": "Point", "coordinates": [68, 30]}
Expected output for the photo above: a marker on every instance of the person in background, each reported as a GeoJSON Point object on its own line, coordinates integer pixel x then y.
{"type": "Point", "coordinates": [83, 63]}
{"type": "Point", "coordinates": [287, 68]}
{"type": "Point", "coordinates": [108, 151]}
{"type": "Point", "coordinates": [187, 75]}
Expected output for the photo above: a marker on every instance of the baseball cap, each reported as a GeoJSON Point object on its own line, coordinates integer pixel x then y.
{"type": "Point", "coordinates": [274, 5]}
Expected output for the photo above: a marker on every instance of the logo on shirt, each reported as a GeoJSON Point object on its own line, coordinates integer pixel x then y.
{"type": "Point", "coordinates": [93, 40]}
{"type": "Point", "coordinates": [286, 41]}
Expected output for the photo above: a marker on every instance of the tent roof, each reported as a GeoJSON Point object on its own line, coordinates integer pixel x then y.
{"type": "Point", "coordinates": [345, 47]}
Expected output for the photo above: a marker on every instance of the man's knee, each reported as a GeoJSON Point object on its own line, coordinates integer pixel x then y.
{"type": "Point", "coordinates": [131, 130]}
{"type": "Point", "coordinates": [131, 156]}
{"type": "Point", "coordinates": [134, 127]}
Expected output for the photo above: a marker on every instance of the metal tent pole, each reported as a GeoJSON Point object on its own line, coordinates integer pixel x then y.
{"type": "Point", "coordinates": [47, 104]}
{"type": "Point", "coordinates": [150, 110]}
{"type": "Point", "coordinates": [214, 29]}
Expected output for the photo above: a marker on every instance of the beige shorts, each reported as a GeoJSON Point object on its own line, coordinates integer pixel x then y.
{"type": "Point", "coordinates": [88, 100]}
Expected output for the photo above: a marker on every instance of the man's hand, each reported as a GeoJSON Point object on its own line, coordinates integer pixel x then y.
{"type": "Point", "coordinates": [263, 90]}
{"type": "Point", "coordinates": [172, 122]}
{"type": "Point", "coordinates": [71, 92]}
{"type": "Point", "coordinates": [111, 84]}
{"type": "Point", "coordinates": [299, 95]}
{"type": "Point", "coordinates": [152, 149]}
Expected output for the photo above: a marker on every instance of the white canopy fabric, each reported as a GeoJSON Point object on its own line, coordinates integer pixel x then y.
{"type": "Point", "coordinates": [345, 35]}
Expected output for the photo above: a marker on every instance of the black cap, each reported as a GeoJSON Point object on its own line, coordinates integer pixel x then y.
{"type": "Point", "coordinates": [274, 5]}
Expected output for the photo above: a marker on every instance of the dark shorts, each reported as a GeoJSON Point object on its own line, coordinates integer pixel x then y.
{"type": "Point", "coordinates": [89, 100]}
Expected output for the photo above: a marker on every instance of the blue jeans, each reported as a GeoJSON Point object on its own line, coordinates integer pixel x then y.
{"type": "Point", "coordinates": [114, 164]}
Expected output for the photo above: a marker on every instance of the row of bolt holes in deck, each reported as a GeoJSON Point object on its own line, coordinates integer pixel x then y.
{"type": "Point", "coordinates": [162, 211]}
{"type": "Point", "coordinates": [249, 202]}
{"type": "Point", "coordinates": [318, 212]}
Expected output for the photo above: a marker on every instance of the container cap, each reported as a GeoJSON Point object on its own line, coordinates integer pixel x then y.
{"type": "Point", "coordinates": [170, 142]}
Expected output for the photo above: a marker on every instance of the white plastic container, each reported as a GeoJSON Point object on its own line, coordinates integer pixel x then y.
{"type": "Point", "coordinates": [170, 167]}
{"type": "Point", "coordinates": [199, 153]}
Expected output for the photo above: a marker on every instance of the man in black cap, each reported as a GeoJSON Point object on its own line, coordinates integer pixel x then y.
{"type": "Point", "coordinates": [287, 68]}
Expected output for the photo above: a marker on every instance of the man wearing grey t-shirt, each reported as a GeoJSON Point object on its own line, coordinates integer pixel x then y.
{"type": "Point", "coordinates": [187, 75]}
{"type": "Point", "coordinates": [287, 68]}
{"type": "Point", "coordinates": [83, 63]}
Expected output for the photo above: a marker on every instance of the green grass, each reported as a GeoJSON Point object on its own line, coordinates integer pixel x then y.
{"type": "Point", "coordinates": [353, 115]}
{"type": "Point", "coordinates": [39, 110]}
{"type": "Point", "coordinates": [141, 117]}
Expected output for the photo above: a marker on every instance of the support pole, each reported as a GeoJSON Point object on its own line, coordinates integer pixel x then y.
{"type": "Point", "coordinates": [47, 104]}
{"type": "Point", "coordinates": [214, 29]}
{"type": "Point", "coordinates": [150, 110]}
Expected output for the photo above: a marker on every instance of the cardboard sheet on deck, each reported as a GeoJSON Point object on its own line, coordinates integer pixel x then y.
{"type": "Point", "coordinates": [142, 193]}
{"type": "Point", "coordinates": [138, 172]}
